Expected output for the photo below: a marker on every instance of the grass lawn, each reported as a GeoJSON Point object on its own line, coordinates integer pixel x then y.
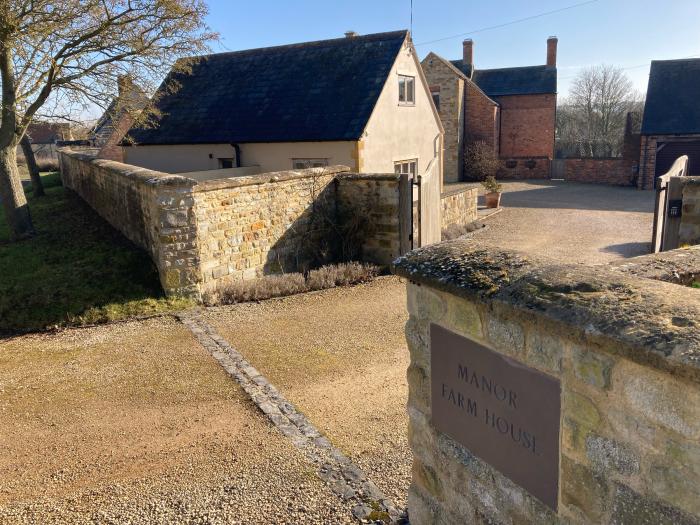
{"type": "Point", "coordinates": [76, 270]}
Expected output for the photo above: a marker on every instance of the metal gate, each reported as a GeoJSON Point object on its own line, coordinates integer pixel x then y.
{"type": "Point", "coordinates": [667, 211]}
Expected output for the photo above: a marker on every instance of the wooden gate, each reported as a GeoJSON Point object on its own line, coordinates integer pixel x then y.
{"type": "Point", "coordinates": [669, 197]}
{"type": "Point", "coordinates": [558, 169]}
{"type": "Point", "coordinates": [429, 205]}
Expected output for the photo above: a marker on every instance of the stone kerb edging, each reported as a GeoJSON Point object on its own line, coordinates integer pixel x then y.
{"type": "Point", "coordinates": [271, 177]}
{"type": "Point", "coordinates": [650, 322]}
{"type": "Point", "coordinates": [344, 478]}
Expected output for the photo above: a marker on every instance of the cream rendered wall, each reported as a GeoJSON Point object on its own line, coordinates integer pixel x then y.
{"type": "Point", "coordinates": [178, 158]}
{"type": "Point", "coordinates": [277, 156]}
{"type": "Point", "coordinates": [273, 156]}
{"type": "Point", "coordinates": [397, 132]}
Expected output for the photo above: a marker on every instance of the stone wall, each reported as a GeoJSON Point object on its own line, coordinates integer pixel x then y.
{"type": "Point", "coordinates": [527, 125]}
{"type": "Point", "coordinates": [459, 206]}
{"type": "Point", "coordinates": [613, 171]}
{"type": "Point", "coordinates": [625, 350]}
{"type": "Point", "coordinates": [525, 168]}
{"type": "Point", "coordinates": [204, 235]}
{"type": "Point", "coordinates": [689, 232]}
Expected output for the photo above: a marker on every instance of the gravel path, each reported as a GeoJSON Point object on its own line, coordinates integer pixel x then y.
{"type": "Point", "coordinates": [136, 423]}
{"type": "Point", "coordinates": [340, 356]}
{"type": "Point", "coordinates": [570, 222]}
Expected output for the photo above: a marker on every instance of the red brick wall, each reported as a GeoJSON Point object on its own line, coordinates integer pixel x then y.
{"type": "Point", "coordinates": [527, 125]}
{"type": "Point", "coordinates": [112, 150]}
{"type": "Point", "coordinates": [524, 168]}
{"type": "Point", "coordinates": [616, 172]}
{"type": "Point", "coordinates": [481, 116]}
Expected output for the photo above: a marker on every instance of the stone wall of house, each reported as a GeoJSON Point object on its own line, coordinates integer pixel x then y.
{"type": "Point", "coordinates": [527, 125]}
{"type": "Point", "coordinates": [481, 117]}
{"type": "Point", "coordinates": [613, 171]}
{"type": "Point", "coordinates": [204, 235]}
{"type": "Point", "coordinates": [459, 206]}
{"type": "Point", "coordinates": [624, 350]}
{"type": "Point", "coordinates": [153, 210]}
{"type": "Point", "coordinates": [443, 79]}
{"type": "Point", "coordinates": [524, 168]}
{"type": "Point", "coordinates": [689, 232]}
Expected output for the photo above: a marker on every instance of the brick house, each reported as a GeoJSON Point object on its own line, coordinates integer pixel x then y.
{"type": "Point", "coordinates": [43, 136]}
{"type": "Point", "coordinates": [512, 109]}
{"type": "Point", "coordinates": [358, 101]}
{"type": "Point", "coordinates": [671, 121]}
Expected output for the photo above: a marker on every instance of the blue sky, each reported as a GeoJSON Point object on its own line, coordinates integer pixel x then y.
{"type": "Point", "coordinates": [626, 33]}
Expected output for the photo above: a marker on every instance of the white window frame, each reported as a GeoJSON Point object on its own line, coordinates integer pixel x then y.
{"type": "Point", "coordinates": [309, 163]}
{"type": "Point", "coordinates": [407, 90]}
{"type": "Point", "coordinates": [408, 166]}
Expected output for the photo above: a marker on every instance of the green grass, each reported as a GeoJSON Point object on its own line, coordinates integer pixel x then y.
{"type": "Point", "coordinates": [696, 284]}
{"type": "Point", "coordinates": [77, 269]}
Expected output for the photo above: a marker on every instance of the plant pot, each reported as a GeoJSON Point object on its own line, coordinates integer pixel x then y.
{"type": "Point", "coordinates": [493, 200]}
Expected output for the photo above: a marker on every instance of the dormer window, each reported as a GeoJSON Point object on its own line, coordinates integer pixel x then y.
{"type": "Point", "coordinates": [407, 91]}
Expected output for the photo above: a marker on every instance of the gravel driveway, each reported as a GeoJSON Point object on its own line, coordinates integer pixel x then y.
{"type": "Point", "coordinates": [570, 222]}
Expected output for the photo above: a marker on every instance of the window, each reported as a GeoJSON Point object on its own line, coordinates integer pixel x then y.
{"type": "Point", "coordinates": [435, 93]}
{"type": "Point", "coordinates": [225, 163]}
{"type": "Point", "coordinates": [407, 90]}
{"type": "Point", "coordinates": [406, 166]}
{"type": "Point", "coordinates": [301, 164]}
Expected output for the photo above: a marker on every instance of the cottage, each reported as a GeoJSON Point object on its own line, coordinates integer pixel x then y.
{"type": "Point", "coordinates": [511, 109]}
{"type": "Point", "coordinates": [43, 137]}
{"type": "Point", "coordinates": [359, 101]}
{"type": "Point", "coordinates": [671, 122]}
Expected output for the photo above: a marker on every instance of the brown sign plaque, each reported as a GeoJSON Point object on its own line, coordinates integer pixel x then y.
{"type": "Point", "coordinates": [504, 412]}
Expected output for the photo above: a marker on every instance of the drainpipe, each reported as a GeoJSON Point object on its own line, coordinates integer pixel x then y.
{"type": "Point", "coordinates": [238, 154]}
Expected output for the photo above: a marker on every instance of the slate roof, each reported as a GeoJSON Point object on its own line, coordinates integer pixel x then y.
{"type": "Point", "coordinates": [314, 91]}
{"type": "Point", "coordinates": [673, 98]}
{"type": "Point", "coordinates": [527, 80]}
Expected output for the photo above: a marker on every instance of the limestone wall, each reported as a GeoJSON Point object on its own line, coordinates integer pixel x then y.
{"type": "Point", "coordinates": [625, 350]}
{"type": "Point", "coordinates": [203, 235]}
{"type": "Point", "coordinates": [689, 232]}
{"type": "Point", "coordinates": [459, 206]}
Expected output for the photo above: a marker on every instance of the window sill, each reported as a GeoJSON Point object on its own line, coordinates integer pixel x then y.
{"type": "Point", "coordinates": [407, 104]}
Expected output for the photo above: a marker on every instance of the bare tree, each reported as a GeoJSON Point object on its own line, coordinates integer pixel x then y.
{"type": "Point", "coordinates": [76, 49]}
{"type": "Point", "coordinates": [592, 118]}
{"type": "Point", "coordinates": [32, 167]}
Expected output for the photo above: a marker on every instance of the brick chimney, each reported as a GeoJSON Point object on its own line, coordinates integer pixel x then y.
{"type": "Point", "coordinates": [468, 56]}
{"type": "Point", "coordinates": [125, 84]}
{"type": "Point", "coordinates": [552, 51]}
{"type": "Point", "coordinates": [351, 34]}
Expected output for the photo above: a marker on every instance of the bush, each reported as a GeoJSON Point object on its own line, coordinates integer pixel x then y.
{"type": "Point", "coordinates": [270, 286]}
{"type": "Point", "coordinates": [454, 231]}
{"type": "Point", "coordinates": [480, 161]}
{"type": "Point", "coordinates": [47, 165]}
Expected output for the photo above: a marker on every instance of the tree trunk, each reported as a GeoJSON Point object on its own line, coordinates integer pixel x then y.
{"type": "Point", "coordinates": [14, 202]}
{"type": "Point", "coordinates": [37, 186]}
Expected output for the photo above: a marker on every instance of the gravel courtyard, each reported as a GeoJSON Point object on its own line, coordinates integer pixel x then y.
{"type": "Point", "coordinates": [571, 222]}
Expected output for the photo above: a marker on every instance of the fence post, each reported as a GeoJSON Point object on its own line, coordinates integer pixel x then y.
{"type": "Point", "coordinates": [405, 213]}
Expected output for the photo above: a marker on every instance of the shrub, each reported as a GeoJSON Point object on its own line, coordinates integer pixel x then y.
{"type": "Point", "coordinates": [47, 165]}
{"type": "Point", "coordinates": [491, 185]}
{"type": "Point", "coordinates": [454, 231]}
{"type": "Point", "coordinates": [270, 286]}
{"type": "Point", "coordinates": [480, 161]}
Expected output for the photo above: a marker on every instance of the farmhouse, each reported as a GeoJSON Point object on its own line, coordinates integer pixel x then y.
{"type": "Point", "coordinates": [358, 101]}
{"type": "Point", "coordinates": [671, 122]}
{"type": "Point", "coordinates": [511, 109]}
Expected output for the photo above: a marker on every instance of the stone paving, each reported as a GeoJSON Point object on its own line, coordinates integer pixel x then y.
{"type": "Point", "coordinates": [346, 480]}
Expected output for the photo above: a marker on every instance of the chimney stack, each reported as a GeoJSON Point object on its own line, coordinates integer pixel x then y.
{"type": "Point", "coordinates": [552, 51]}
{"type": "Point", "coordinates": [351, 34]}
{"type": "Point", "coordinates": [125, 84]}
{"type": "Point", "coordinates": [467, 51]}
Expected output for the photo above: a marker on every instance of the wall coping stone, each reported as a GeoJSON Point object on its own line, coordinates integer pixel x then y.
{"type": "Point", "coordinates": [369, 176]}
{"type": "Point", "coordinates": [273, 176]}
{"type": "Point", "coordinates": [674, 266]}
{"type": "Point", "coordinates": [651, 322]}
{"type": "Point", "coordinates": [463, 187]}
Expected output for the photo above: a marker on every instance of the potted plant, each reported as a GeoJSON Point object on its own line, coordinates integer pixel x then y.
{"type": "Point", "coordinates": [493, 192]}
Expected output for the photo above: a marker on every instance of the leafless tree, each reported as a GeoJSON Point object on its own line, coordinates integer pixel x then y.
{"type": "Point", "coordinates": [74, 51]}
{"type": "Point", "coordinates": [591, 120]}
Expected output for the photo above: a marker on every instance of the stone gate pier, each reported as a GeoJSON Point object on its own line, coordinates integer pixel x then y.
{"type": "Point", "coordinates": [543, 393]}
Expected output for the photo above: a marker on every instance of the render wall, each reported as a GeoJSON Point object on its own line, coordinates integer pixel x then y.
{"type": "Point", "coordinates": [182, 158]}
{"type": "Point", "coordinates": [451, 112]}
{"type": "Point", "coordinates": [527, 125]}
{"type": "Point", "coordinates": [398, 132]}
{"type": "Point", "coordinates": [630, 398]}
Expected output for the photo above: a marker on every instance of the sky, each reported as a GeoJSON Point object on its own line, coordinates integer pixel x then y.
{"type": "Point", "coordinates": [625, 33]}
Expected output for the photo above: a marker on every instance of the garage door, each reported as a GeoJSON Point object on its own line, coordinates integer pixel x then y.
{"type": "Point", "coordinates": [672, 150]}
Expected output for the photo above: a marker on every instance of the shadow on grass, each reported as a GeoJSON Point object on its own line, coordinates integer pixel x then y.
{"type": "Point", "coordinates": [76, 270]}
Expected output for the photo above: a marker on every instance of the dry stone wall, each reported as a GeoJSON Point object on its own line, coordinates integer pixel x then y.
{"type": "Point", "coordinates": [459, 206]}
{"type": "Point", "coordinates": [204, 235]}
{"type": "Point", "coordinates": [626, 351]}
